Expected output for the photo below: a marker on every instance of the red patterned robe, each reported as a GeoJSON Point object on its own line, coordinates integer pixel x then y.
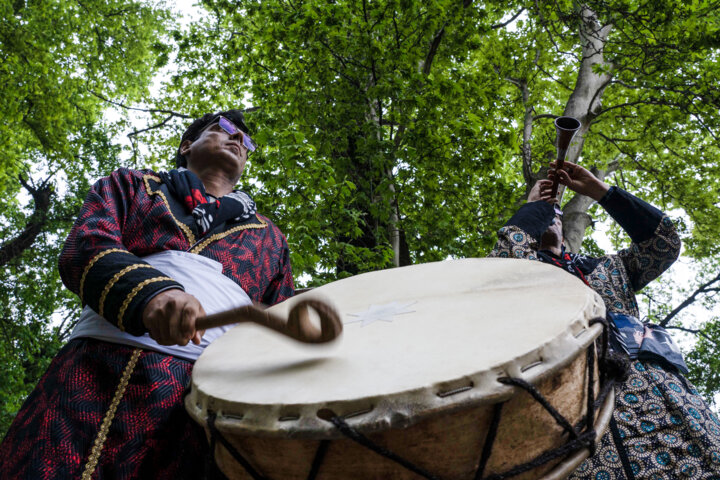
{"type": "Point", "coordinates": [110, 411]}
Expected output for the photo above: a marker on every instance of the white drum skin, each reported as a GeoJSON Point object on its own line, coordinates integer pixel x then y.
{"type": "Point", "coordinates": [415, 370]}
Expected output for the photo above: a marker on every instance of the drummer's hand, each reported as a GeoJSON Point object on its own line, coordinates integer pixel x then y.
{"type": "Point", "coordinates": [579, 179]}
{"type": "Point", "coordinates": [170, 318]}
{"type": "Point", "coordinates": [541, 191]}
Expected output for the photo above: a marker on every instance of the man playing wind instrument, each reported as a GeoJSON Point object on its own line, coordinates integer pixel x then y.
{"type": "Point", "coordinates": [661, 428]}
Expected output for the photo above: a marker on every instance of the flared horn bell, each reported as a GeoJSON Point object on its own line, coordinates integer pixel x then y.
{"type": "Point", "coordinates": [565, 128]}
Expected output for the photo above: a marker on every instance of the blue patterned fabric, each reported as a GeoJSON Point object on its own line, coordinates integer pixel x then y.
{"type": "Point", "coordinates": [663, 430]}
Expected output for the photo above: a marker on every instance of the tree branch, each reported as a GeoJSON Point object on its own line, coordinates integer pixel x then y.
{"type": "Point", "coordinates": [152, 127]}
{"type": "Point", "coordinates": [146, 110]}
{"type": "Point", "coordinates": [434, 45]}
{"type": "Point", "coordinates": [63, 330]}
{"type": "Point", "coordinates": [545, 115]}
{"type": "Point", "coordinates": [703, 289]}
{"type": "Point", "coordinates": [694, 332]}
{"type": "Point", "coordinates": [512, 19]}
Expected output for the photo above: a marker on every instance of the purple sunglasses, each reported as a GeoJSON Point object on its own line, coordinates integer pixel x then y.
{"type": "Point", "coordinates": [232, 129]}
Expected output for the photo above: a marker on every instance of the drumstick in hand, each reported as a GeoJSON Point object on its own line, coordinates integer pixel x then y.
{"type": "Point", "coordinates": [298, 325]}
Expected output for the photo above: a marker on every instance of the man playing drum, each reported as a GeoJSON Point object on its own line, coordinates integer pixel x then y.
{"type": "Point", "coordinates": [148, 255]}
{"type": "Point", "coordinates": [661, 428]}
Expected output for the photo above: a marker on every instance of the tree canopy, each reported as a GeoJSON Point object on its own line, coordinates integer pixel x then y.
{"type": "Point", "coordinates": [393, 132]}
{"type": "Point", "coordinates": [374, 114]}
{"type": "Point", "coordinates": [61, 63]}
{"type": "Point", "coordinates": [396, 132]}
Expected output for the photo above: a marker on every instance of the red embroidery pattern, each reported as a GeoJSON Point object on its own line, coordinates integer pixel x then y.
{"type": "Point", "coordinates": [53, 433]}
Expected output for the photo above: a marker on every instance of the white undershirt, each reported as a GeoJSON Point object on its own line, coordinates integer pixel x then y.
{"type": "Point", "coordinates": [201, 277]}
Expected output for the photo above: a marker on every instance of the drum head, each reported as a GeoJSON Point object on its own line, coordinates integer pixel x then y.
{"type": "Point", "coordinates": [417, 341]}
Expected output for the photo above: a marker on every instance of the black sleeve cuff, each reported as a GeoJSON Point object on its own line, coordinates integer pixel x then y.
{"type": "Point", "coordinates": [533, 218]}
{"type": "Point", "coordinates": [118, 285]}
{"type": "Point", "coordinates": [638, 218]}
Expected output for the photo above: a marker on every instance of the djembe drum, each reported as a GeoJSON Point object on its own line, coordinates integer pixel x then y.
{"type": "Point", "coordinates": [456, 370]}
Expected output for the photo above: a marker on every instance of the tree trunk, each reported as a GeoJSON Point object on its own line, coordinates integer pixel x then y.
{"type": "Point", "coordinates": [583, 102]}
{"type": "Point", "coordinates": [14, 247]}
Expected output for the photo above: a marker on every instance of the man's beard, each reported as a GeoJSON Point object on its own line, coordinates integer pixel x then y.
{"type": "Point", "coordinates": [550, 239]}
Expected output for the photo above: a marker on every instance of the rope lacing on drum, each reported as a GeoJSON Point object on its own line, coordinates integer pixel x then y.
{"type": "Point", "coordinates": [358, 437]}
{"type": "Point", "coordinates": [579, 440]}
{"type": "Point", "coordinates": [609, 373]}
{"type": "Point", "coordinates": [216, 435]}
{"type": "Point", "coordinates": [319, 457]}
{"type": "Point", "coordinates": [489, 440]}
{"type": "Point", "coordinates": [584, 440]}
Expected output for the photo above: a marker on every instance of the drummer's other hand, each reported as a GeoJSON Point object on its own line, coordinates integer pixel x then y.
{"type": "Point", "coordinates": [170, 318]}
{"type": "Point", "coordinates": [541, 191]}
{"type": "Point", "coordinates": [579, 179]}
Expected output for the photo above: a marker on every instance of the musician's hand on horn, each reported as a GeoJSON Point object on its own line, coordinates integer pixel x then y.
{"type": "Point", "coordinates": [170, 318]}
{"type": "Point", "coordinates": [541, 191]}
{"type": "Point", "coordinates": [578, 179]}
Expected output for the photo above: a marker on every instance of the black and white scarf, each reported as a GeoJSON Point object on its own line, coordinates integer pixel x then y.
{"type": "Point", "coordinates": [207, 212]}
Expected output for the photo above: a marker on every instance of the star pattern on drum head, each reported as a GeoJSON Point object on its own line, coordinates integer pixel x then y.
{"type": "Point", "coordinates": [383, 313]}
